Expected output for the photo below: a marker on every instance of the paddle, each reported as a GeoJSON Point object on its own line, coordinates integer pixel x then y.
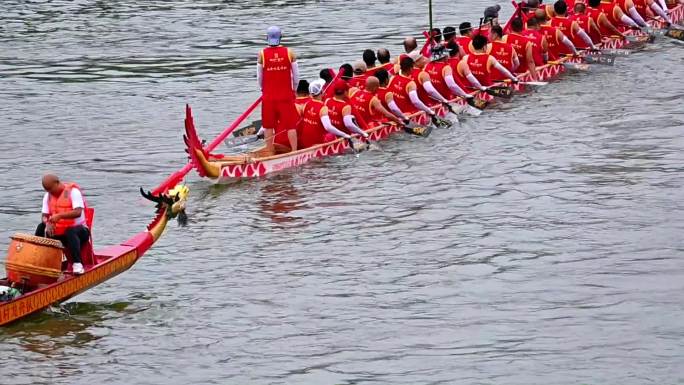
{"type": "Point", "coordinates": [616, 51]}
{"type": "Point", "coordinates": [677, 34]}
{"type": "Point", "coordinates": [416, 129]}
{"type": "Point", "coordinates": [250, 129]}
{"type": "Point", "coordinates": [607, 60]}
{"type": "Point", "coordinates": [530, 83]}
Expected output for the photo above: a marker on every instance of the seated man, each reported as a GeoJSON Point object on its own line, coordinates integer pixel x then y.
{"type": "Point", "coordinates": [64, 217]}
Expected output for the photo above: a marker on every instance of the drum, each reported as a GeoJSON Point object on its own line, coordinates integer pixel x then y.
{"type": "Point", "coordinates": [34, 260]}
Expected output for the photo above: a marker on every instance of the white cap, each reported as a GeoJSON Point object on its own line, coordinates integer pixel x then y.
{"type": "Point", "coordinates": [273, 35]}
{"type": "Point", "coordinates": [316, 87]}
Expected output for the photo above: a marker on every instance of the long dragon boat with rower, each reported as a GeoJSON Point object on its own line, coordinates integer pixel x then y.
{"type": "Point", "coordinates": [39, 274]}
{"type": "Point", "coordinates": [225, 168]}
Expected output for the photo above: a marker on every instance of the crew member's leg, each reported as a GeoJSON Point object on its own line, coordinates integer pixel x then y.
{"type": "Point", "coordinates": [40, 230]}
{"type": "Point", "coordinates": [72, 239]}
{"type": "Point", "coordinates": [268, 122]}
{"type": "Point", "coordinates": [289, 118]}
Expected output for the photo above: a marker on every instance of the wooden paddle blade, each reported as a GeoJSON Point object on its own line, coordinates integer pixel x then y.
{"type": "Point", "coordinates": [576, 66]}
{"type": "Point", "coordinates": [600, 59]}
{"type": "Point", "coordinates": [423, 131]}
{"type": "Point", "coordinates": [500, 92]}
{"type": "Point", "coordinates": [675, 34]}
{"type": "Point", "coordinates": [250, 129]}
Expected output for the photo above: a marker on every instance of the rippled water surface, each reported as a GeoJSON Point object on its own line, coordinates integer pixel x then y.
{"type": "Point", "coordinates": [540, 243]}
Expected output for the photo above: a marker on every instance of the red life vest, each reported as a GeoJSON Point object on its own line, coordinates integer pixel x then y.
{"type": "Point", "coordinates": [503, 53]}
{"type": "Point", "coordinates": [63, 204]}
{"type": "Point", "coordinates": [312, 131]}
{"type": "Point", "coordinates": [435, 69]}
{"type": "Point", "coordinates": [519, 42]}
{"type": "Point", "coordinates": [464, 42]}
{"type": "Point", "coordinates": [564, 24]}
{"type": "Point", "coordinates": [551, 34]}
{"type": "Point", "coordinates": [479, 67]}
{"type": "Point", "coordinates": [335, 108]}
{"type": "Point", "coordinates": [362, 109]}
{"type": "Point", "coordinates": [277, 74]}
{"type": "Point", "coordinates": [398, 86]}
{"type": "Point", "coordinates": [422, 94]}
{"type": "Point", "coordinates": [536, 38]}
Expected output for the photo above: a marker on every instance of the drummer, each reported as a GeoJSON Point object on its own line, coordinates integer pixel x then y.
{"type": "Point", "coordinates": [64, 217]}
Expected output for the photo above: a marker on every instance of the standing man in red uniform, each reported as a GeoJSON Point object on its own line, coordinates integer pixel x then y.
{"type": "Point", "coordinates": [278, 76]}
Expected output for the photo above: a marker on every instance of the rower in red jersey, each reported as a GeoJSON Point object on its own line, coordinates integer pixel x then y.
{"type": "Point", "coordinates": [503, 52]}
{"type": "Point", "coordinates": [453, 60]}
{"type": "Point", "coordinates": [524, 47]}
{"type": "Point", "coordinates": [570, 28]}
{"type": "Point", "coordinates": [411, 50]}
{"type": "Point", "coordinates": [384, 61]}
{"type": "Point", "coordinates": [464, 41]}
{"type": "Point", "coordinates": [629, 8]}
{"type": "Point", "coordinates": [645, 8]}
{"type": "Point", "coordinates": [360, 76]}
{"type": "Point", "coordinates": [340, 111]}
{"type": "Point", "coordinates": [367, 108]}
{"type": "Point", "coordinates": [277, 74]}
{"type": "Point", "coordinates": [327, 75]}
{"type": "Point", "coordinates": [613, 13]}
{"type": "Point", "coordinates": [534, 5]}
{"type": "Point", "coordinates": [557, 41]}
{"type": "Point", "coordinates": [303, 96]}
{"type": "Point", "coordinates": [386, 96]}
{"type": "Point", "coordinates": [585, 22]}
{"type": "Point", "coordinates": [316, 125]}
{"type": "Point", "coordinates": [606, 27]}
{"type": "Point", "coordinates": [477, 67]}
{"type": "Point", "coordinates": [405, 90]}
{"type": "Point", "coordinates": [427, 92]}
{"type": "Point", "coordinates": [442, 76]}
{"type": "Point", "coordinates": [541, 45]}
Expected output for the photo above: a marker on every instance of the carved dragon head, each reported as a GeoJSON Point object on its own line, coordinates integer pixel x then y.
{"type": "Point", "coordinates": [171, 204]}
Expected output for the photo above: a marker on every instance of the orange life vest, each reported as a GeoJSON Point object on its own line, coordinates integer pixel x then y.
{"type": "Point", "coordinates": [63, 204]}
{"type": "Point", "coordinates": [277, 70]}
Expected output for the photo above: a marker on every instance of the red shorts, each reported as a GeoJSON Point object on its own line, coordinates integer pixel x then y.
{"type": "Point", "coordinates": [280, 115]}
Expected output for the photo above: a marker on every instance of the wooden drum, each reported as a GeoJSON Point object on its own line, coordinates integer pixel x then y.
{"type": "Point", "coordinates": [34, 260]}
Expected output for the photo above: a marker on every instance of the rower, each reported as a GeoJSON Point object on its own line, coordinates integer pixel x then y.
{"type": "Point", "coordinates": [405, 90]}
{"type": "Point", "coordinates": [316, 125]}
{"type": "Point", "coordinates": [64, 217]}
{"type": "Point", "coordinates": [453, 60]}
{"type": "Point", "coordinates": [359, 78]}
{"type": "Point", "coordinates": [346, 72]}
{"type": "Point", "coordinates": [643, 6]}
{"type": "Point", "coordinates": [464, 41]}
{"type": "Point", "coordinates": [554, 37]}
{"type": "Point", "coordinates": [303, 96]}
{"type": "Point", "coordinates": [524, 48]}
{"type": "Point", "coordinates": [502, 51]}
{"type": "Point", "coordinates": [340, 110]}
{"type": "Point", "coordinates": [369, 58]}
{"type": "Point", "coordinates": [541, 45]}
{"type": "Point", "coordinates": [628, 7]}
{"type": "Point", "coordinates": [411, 50]}
{"type": "Point", "coordinates": [384, 61]}
{"type": "Point", "coordinates": [386, 96]}
{"type": "Point", "coordinates": [441, 76]}
{"type": "Point", "coordinates": [327, 74]}
{"type": "Point", "coordinates": [367, 108]}
{"type": "Point", "coordinates": [570, 28]}
{"type": "Point", "coordinates": [586, 22]}
{"type": "Point", "coordinates": [435, 37]}
{"type": "Point", "coordinates": [613, 13]}
{"type": "Point", "coordinates": [535, 5]}
{"type": "Point", "coordinates": [278, 76]}
{"type": "Point", "coordinates": [449, 34]}
{"type": "Point", "coordinates": [477, 67]}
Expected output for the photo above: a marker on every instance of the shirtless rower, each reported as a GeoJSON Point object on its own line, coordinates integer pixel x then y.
{"type": "Point", "coordinates": [477, 67]}
{"type": "Point", "coordinates": [367, 107]}
{"type": "Point", "coordinates": [340, 111]}
{"type": "Point", "coordinates": [316, 125]}
{"type": "Point", "coordinates": [502, 51]}
{"type": "Point", "coordinates": [570, 28]}
{"type": "Point", "coordinates": [524, 48]}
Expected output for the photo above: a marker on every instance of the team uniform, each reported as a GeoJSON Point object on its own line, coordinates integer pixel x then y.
{"type": "Point", "coordinates": [312, 130]}
{"type": "Point", "coordinates": [278, 109]}
{"type": "Point", "coordinates": [504, 54]}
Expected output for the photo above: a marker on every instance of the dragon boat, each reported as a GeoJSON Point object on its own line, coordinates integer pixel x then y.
{"type": "Point", "coordinates": [225, 168]}
{"type": "Point", "coordinates": [39, 272]}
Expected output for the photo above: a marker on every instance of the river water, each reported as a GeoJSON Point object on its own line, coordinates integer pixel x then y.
{"type": "Point", "coordinates": [540, 243]}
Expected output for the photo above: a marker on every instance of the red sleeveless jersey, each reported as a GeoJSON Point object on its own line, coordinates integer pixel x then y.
{"type": "Point", "coordinates": [382, 95]}
{"type": "Point", "coordinates": [398, 86]}
{"type": "Point", "coordinates": [312, 130]}
{"type": "Point", "coordinates": [583, 20]}
{"type": "Point", "coordinates": [363, 111]}
{"type": "Point", "coordinates": [609, 9]}
{"type": "Point", "coordinates": [479, 67]}
{"type": "Point", "coordinates": [300, 102]}
{"type": "Point", "coordinates": [435, 69]}
{"type": "Point", "coordinates": [640, 6]}
{"type": "Point", "coordinates": [358, 81]}
{"type": "Point", "coordinates": [464, 42]}
{"type": "Point", "coordinates": [422, 94]}
{"type": "Point", "coordinates": [335, 108]}
{"type": "Point", "coordinates": [554, 49]}
{"type": "Point", "coordinates": [536, 38]}
{"type": "Point", "coordinates": [503, 53]}
{"type": "Point", "coordinates": [458, 77]}
{"type": "Point", "coordinates": [520, 42]}
{"type": "Point", "coordinates": [564, 24]}
{"type": "Point", "coordinates": [595, 14]}
{"type": "Point", "coordinates": [277, 72]}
